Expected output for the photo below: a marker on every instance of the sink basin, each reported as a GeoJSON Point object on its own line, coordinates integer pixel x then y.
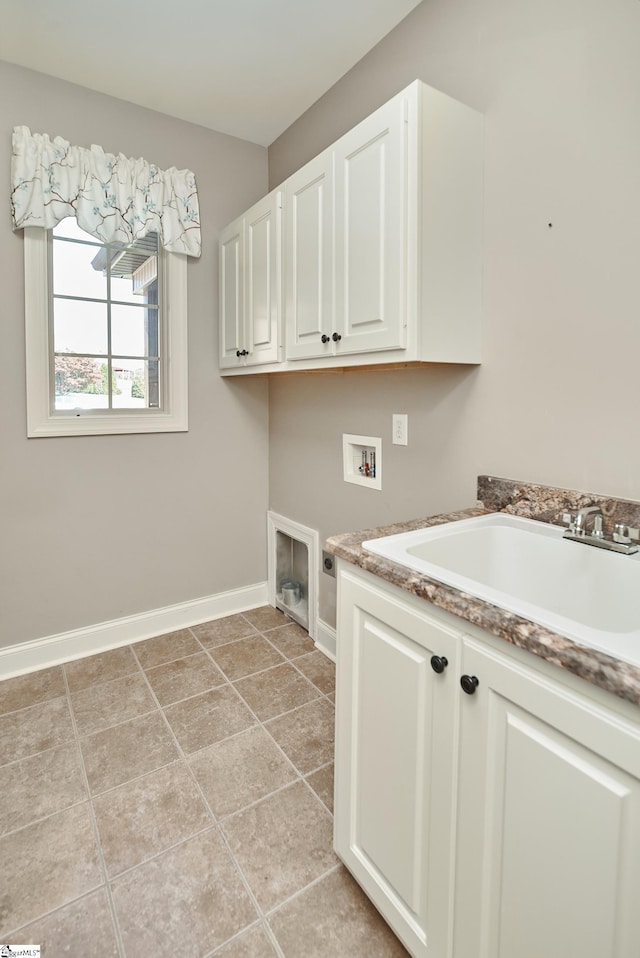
{"type": "Point", "coordinates": [589, 595]}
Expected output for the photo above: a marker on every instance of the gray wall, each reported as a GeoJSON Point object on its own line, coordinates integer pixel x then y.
{"type": "Point", "coordinates": [555, 400]}
{"type": "Point", "coordinates": [94, 528]}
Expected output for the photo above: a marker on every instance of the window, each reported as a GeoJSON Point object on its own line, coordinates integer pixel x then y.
{"type": "Point", "coordinates": [106, 334]}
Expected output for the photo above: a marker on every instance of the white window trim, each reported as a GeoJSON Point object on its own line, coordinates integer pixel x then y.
{"type": "Point", "coordinates": [41, 421]}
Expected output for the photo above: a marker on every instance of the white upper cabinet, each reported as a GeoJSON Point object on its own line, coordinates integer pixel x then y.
{"type": "Point", "coordinates": [250, 286]}
{"type": "Point", "coordinates": [231, 294]}
{"type": "Point", "coordinates": [309, 252]}
{"type": "Point", "coordinates": [382, 241]}
{"type": "Point", "coordinates": [370, 233]}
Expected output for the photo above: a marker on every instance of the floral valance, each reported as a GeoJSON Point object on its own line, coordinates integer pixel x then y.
{"type": "Point", "coordinates": [114, 198]}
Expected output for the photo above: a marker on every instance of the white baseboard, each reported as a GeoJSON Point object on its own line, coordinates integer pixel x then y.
{"type": "Point", "coordinates": [54, 649]}
{"type": "Point", "coordinates": [326, 639]}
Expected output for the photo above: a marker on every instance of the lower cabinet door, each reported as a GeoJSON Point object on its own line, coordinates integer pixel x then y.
{"type": "Point", "coordinates": [395, 744]}
{"type": "Point", "coordinates": [548, 851]}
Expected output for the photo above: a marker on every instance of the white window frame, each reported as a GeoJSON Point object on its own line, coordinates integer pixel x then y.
{"type": "Point", "coordinates": [41, 419]}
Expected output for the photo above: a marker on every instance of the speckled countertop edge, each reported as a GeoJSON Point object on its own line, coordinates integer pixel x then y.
{"type": "Point", "coordinates": [612, 675]}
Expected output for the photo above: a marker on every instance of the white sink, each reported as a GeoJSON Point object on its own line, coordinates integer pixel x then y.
{"type": "Point", "coordinates": [526, 567]}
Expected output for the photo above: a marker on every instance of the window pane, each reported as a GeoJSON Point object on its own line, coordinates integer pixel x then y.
{"type": "Point", "coordinates": [69, 227]}
{"type": "Point", "coordinates": [77, 270]}
{"type": "Point", "coordinates": [105, 304]}
{"type": "Point", "coordinates": [134, 269]}
{"type": "Point", "coordinates": [79, 327]}
{"type": "Point", "coordinates": [80, 382]}
{"type": "Point", "coordinates": [130, 327]}
{"type": "Point", "coordinates": [122, 290]}
{"type": "Point", "coordinates": [136, 384]}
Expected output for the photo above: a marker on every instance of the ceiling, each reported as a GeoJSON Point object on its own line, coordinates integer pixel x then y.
{"type": "Point", "coordinates": [244, 67]}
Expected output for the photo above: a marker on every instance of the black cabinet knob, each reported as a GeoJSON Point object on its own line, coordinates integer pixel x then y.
{"type": "Point", "coordinates": [469, 683]}
{"type": "Point", "coordinates": [438, 663]}
{"type": "Point", "coordinates": [242, 352]}
{"type": "Point", "coordinates": [336, 337]}
{"type": "Point", "coordinates": [325, 339]}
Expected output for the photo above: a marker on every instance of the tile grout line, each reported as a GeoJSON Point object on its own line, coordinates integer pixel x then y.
{"type": "Point", "coordinates": [232, 682]}
{"type": "Point", "coordinates": [216, 824]}
{"type": "Point", "coordinates": [43, 818]}
{"type": "Point", "coordinates": [102, 864]}
{"type": "Point", "coordinates": [136, 668]}
{"type": "Point", "coordinates": [258, 923]}
{"type": "Point", "coordinates": [210, 826]}
{"type": "Point", "coordinates": [296, 894]}
{"type": "Point", "coordinates": [55, 911]}
{"type": "Point", "coordinates": [43, 751]}
{"type": "Point", "coordinates": [299, 777]}
{"type": "Point", "coordinates": [94, 822]}
{"type": "Point", "coordinates": [33, 705]}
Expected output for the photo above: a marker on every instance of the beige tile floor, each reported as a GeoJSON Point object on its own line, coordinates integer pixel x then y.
{"type": "Point", "coordinates": [174, 797]}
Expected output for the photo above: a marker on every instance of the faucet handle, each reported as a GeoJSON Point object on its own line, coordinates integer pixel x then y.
{"type": "Point", "coordinates": [569, 520]}
{"type": "Point", "coordinates": [624, 533]}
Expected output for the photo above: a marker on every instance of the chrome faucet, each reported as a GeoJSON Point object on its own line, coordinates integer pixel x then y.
{"type": "Point", "coordinates": [592, 516]}
{"type": "Point", "coordinates": [582, 522]}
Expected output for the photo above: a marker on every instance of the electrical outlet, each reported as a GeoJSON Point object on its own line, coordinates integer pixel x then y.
{"type": "Point", "coordinates": [400, 429]}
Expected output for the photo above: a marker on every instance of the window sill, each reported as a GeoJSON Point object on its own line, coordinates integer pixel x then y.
{"type": "Point", "coordinates": [88, 424]}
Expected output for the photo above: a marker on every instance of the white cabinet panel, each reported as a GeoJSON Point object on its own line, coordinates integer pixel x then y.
{"type": "Point", "coordinates": [262, 280]}
{"type": "Point", "coordinates": [309, 259]}
{"type": "Point", "coordinates": [549, 816]}
{"type": "Point", "coordinates": [250, 286]}
{"type": "Point", "coordinates": [394, 736]}
{"type": "Point", "coordinates": [231, 294]}
{"type": "Point", "coordinates": [382, 242]}
{"type": "Point", "coordinates": [391, 680]}
{"type": "Point", "coordinates": [371, 232]}
{"type": "Point", "coordinates": [504, 823]}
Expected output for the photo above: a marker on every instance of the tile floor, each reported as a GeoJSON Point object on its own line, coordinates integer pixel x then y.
{"type": "Point", "coordinates": [174, 797]}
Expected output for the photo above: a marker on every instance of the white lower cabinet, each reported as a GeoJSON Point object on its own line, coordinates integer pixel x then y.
{"type": "Point", "coordinates": [501, 823]}
{"type": "Point", "coordinates": [548, 848]}
{"type": "Point", "coordinates": [395, 737]}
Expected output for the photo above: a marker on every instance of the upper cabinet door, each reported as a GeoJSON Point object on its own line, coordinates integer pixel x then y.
{"type": "Point", "coordinates": [262, 280]}
{"type": "Point", "coordinates": [250, 286]}
{"type": "Point", "coordinates": [309, 260]}
{"type": "Point", "coordinates": [381, 247]}
{"type": "Point", "coordinates": [371, 232]}
{"type": "Point", "coordinates": [231, 277]}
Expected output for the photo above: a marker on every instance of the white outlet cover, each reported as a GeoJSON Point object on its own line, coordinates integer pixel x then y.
{"type": "Point", "coordinates": [400, 429]}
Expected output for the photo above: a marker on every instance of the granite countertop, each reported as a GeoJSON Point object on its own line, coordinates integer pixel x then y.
{"type": "Point", "coordinates": [615, 676]}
